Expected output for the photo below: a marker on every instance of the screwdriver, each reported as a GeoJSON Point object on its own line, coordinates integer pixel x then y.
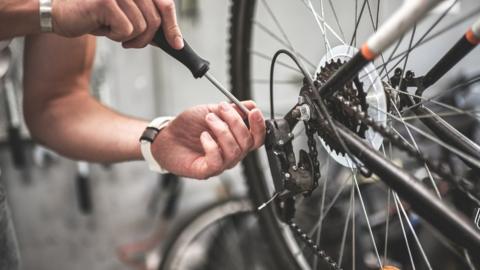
{"type": "Point", "coordinates": [197, 65]}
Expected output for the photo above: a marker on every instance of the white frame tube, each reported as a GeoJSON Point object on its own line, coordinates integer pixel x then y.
{"type": "Point", "coordinates": [404, 19]}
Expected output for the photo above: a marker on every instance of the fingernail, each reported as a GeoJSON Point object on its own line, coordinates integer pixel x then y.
{"type": "Point", "coordinates": [257, 115]}
{"type": "Point", "coordinates": [224, 106]}
{"type": "Point", "coordinates": [212, 117]}
{"type": "Point", "coordinates": [205, 135]}
{"type": "Point", "coordinates": [178, 42]}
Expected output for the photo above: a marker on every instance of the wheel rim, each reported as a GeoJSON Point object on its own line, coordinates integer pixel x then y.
{"type": "Point", "coordinates": [269, 32]}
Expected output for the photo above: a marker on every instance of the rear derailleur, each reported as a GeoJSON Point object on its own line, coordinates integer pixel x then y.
{"type": "Point", "coordinates": [292, 177]}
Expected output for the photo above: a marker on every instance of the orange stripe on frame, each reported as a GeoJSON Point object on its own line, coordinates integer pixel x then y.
{"type": "Point", "coordinates": [471, 37]}
{"type": "Point", "coordinates": [367, 53]}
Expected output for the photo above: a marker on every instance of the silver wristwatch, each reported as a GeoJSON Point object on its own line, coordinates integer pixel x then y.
{"type": "Point", "coordinates": [46, 24]}
{"type": "Point", "coordinates": [147, 139]}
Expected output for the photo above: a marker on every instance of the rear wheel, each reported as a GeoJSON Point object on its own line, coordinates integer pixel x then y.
{"type": "Point", "coordinates": [357, 221]}
{"type": "Point", "coordinates": [224, 235]}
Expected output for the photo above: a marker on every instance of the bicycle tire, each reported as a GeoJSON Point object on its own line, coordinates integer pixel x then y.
{"type": "Point", "coordinates": [190, 238]}
{"type": "Point", "coordinates": [241, 17]}
{"type": "Point", "coordinates": [239, 39]}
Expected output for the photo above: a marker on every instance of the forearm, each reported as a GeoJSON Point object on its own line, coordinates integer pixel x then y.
{"type": "Point", "coordinates": [59, 110]}
{"type": "Point", "coordinates": [81, 128]}
{"type": "Point", "coordinates": [18, 18]}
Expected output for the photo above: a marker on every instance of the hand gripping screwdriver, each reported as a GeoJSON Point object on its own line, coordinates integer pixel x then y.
{"type": "Point", "coordinates": [197, 65]}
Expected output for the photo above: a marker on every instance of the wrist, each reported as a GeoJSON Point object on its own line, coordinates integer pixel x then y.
{"type": "Point", "coordinates": [150, 140]}
{"type": "Point", "coordinates": [22, 16]}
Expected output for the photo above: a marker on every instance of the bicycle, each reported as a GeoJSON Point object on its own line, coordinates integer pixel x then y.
{"type": "Point", "coordinates": [356, 106]}
{"type": "Point", "coordinates": [219, 236]}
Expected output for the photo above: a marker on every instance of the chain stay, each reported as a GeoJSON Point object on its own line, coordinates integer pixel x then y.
{"type": "Point", "coordinates": [388, 134]}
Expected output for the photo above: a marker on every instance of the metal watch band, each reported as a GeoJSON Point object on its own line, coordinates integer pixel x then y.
{"type": "Point", "coordinates": [46, 24]}
{"type": "Point", "coordinates": [147, 139]}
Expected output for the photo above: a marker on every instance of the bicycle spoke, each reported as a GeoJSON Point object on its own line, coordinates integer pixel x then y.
{"type": "Point", "coordinates": [418, 149]}
{"type": "Point", "coordinates": [375, 29]}
{"type": "Point", "coordinates": [345, 228]}
{"type": "Point", "coordinates": [441, 104]}
{"type": "Point", "coordinates": [433, 138]}
{"type": "Point", "coordinates": [469, 260]}
{"type": "Point", "coordinates": [473, 113]}
{"type": "Point", "coordinates": [390, 58]}
{"type": "Point", "coordinates": [405, 53]}
{"type": "Point", "coordinates": [324, 193]}
{"type": "Point", "coordinates": [268, 58]}
{"type": "Point", "coordinates": [321, 19]}
{"type": "Point", "coordinates": [267, 81]}
{"type": "Point", "coordinates": [354, 258]}
{"type": "Point", "coordinates": [330, 205]}
{"type": "Point", "coordinates": [387, 210]}
{"type": "Point", "coordinates": [336, 19]}
{"type": "Point", "coordinates": [404, 234]}
{"type": "Point", "coordinates": [280, 28]}
{"type": "Point", "coordinates": [327, 42]}
{"type": "Point", "coordinates": [324, 33]}
{"type": "Point", "coordinates": [475, 79]}
{"type": "Point", "coordinates": [357, 22]}
{"type": "Point", "coordinates": [364, 210]}
{"type": "Point", "coordinates": [387, 223]}
{"type": "Point", "coordinates": [284, 43]}
{"type": "Point", "coordinates": [419, 245]}
{"type": "Point", "coordinates": [409, 50]}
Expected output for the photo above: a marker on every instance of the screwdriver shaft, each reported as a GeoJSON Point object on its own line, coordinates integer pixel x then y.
{"type": "Point", "coordinates": [227, 93]}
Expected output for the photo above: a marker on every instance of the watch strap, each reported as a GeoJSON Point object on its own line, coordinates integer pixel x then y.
{"type": "Point", "coordinates": [148, 137]}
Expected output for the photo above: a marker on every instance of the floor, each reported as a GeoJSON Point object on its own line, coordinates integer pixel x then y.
{"type": "Point", "coordinates": [54, 234]}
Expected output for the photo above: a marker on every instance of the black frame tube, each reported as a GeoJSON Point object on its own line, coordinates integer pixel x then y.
{"type": "Point", "coordinates": [346, 72]}
{"type": "Point", "coordinates": [447, 62]}
{"type": "Point", "coordinates": [447, 221]}
{"type": "Point", "coordinates": [440, 127]}
{"type": "Point", "coordinates": [444, 131]}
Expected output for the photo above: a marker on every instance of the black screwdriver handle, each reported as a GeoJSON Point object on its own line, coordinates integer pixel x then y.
{"type": "Point", "coordinates": [187, 56]}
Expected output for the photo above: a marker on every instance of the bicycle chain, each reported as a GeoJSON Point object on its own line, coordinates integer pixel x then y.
{"type": "Point", "coordinates": [311, 244]}
{"type": "Point", "coordinates": [388, 134]}
{"type": "Point", "coordinates": [313, 153]}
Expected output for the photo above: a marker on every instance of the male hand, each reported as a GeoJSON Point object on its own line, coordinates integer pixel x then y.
{"type": "Point", "coordinates": [132, 22]}
{"type": "Point", "coordinates": [205, 140]}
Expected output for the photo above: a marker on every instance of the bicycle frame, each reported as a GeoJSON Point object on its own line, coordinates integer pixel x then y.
{"type": "Point", "coordinates": [449, 222]}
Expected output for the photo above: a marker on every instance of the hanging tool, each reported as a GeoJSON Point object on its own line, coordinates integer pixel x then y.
{"type": "Point", "coordinates": [197, 65]}
{"type": "Point", "coordinates": [15, 140]}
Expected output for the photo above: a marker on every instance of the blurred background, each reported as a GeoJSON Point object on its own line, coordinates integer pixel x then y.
{"type": "Point", "coordinates": [56, 228]}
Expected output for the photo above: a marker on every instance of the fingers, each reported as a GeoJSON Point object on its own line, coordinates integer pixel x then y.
{"type": "Point", "coordinates": [237, 126]}
{"type": "Point", "coordinates": [135, 22]}
{"type": "Point", "coordinates": [117, 25]}
{"type": "Point", "coordinates": [256, 121]}
{"type": "Point", "coordinates": [135, 16]}
{"type": "Point", "coordinates": [249, 104]}
{"type": "Point", "coordinates": [213, 161]}
{"type": "Point", "coordinates": [257, 127]}
{"type": "Point", "coordinates": [152, 18]}
{"type": "Point", "coordinates": [225, 139]}
{"type": "Point", "coordinates": [169, 23]}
